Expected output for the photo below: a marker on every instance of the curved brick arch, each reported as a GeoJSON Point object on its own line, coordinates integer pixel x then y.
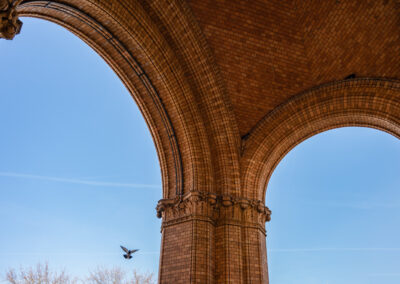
{"type": "Point", "coordinates": [159, 53]}
{"type": "Point", "coordinates": [171, 78]}
{"type": "Point", "coordinates": [214, 183]}
{"type": "Point", "coordinates": [182, 32]}
{"type": "Point", "coordinates": [371, 103]}
{"type": "Point", "coordinates": [79, 20]}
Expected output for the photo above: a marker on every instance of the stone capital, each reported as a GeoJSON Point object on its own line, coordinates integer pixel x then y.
{"type": "Point", "coordinates": [244, 212]}
{"type": "Point", "coordinates": [217, 209]}
{"type": "Point", "coordinates": [193, 205]}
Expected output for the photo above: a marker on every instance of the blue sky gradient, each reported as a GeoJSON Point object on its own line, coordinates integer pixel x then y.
{"type": "Point", "coordinates": [79, 176]}
{"type": "Point", "coordinates": [335, 201]}
{"type": "Point", "coordinates": [79, 173]}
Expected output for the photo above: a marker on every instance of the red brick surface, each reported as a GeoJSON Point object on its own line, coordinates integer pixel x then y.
{"type": "Point", "coordinates": [204, 73]}
{"type": "Point", "coordinates": [270, 50]}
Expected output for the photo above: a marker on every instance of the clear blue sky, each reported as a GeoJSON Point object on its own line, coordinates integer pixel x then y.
{"type": "Point", "coordinates": [79, 176]}
{"type": "Point", "coordinates": [335, 201]}
{"type": "Point", "coordinates": [66, 121]}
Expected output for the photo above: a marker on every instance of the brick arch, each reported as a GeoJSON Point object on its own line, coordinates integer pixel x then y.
{"type": "Point", "coordinates": [171, 77]}
{"type": "Point", "coordinates": [373, 103]}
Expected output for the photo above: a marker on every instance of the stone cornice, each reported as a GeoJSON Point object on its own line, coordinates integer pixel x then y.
{"type": "Point", "coordinates": [217, 209]}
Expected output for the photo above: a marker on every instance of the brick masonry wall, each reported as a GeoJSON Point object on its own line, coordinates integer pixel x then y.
{"type": "Point", "coordinates": [271, 50]}
{"type": "Point", "coordinates": [358, 102]}
{"type": "Point", "coordinates": [204, 73]}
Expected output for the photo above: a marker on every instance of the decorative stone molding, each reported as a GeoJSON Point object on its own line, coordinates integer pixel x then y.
{"type": "Point", "coordinates": [243, 212]}
{"type": "Point", "coordinates": [10, 25]}
{"type": "Point", "coordinates": [195, 204]}
{"type": "Point", "coordinates": [217, 209]}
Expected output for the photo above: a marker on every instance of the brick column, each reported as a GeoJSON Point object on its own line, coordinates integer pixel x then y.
{"type": "Point", "coordinates": [240, 241]}
{"type": "Point", "coordinates": [188, 229]}
{"type": "Point", "coordinates": [213, 239]}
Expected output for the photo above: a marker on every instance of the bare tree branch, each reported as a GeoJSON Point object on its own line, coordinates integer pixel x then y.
{"type": "Point", "coordinates": [41, 274]}
{"type": "Point", "coordinates": [117, 276]}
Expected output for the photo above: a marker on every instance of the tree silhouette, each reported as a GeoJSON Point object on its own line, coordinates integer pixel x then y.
{"type": "Point", "coordinates": [41, 274]}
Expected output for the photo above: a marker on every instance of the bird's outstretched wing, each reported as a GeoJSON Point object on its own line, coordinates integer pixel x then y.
{"type": "Point", "coordinates": [125, 249]}
{"type": "Point", "coordinates": [133, 251]}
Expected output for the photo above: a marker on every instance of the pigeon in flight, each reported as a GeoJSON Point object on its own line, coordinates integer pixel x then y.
{"type": "Point", "coordinates": [129, 253]}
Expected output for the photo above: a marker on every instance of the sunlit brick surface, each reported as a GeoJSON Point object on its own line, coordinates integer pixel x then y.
{"type": "Point", "coordinates": [270, 50]}
{"type": "Point", "coordinates": [227, 88]}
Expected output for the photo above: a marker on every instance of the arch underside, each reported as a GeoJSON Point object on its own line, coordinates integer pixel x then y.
{"type": "Point", "coordinates": [180, 111]}
{"type": "Point", "coordinates": [114, 53]}
{"type": "Point", "coordinates": [213, 183]}
{"type": "Point", "coordinates": [373, 103]}
{"type": "Point", "coordinates": [177, 88]}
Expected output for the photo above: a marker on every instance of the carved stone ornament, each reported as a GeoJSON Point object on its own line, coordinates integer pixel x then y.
{"type": "Point", "coordinates": [10, 25]}
{"type": "Point", "coordinates": [222, 209]}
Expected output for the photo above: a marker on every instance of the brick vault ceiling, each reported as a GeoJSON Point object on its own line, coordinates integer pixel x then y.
{"type": "Point", "coordinates": [270, 50]}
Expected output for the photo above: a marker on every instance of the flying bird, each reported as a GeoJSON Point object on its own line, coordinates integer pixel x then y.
{"type": "Point", "coordinates": [129, 253]}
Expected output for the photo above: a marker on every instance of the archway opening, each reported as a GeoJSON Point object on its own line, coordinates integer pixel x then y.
{"type": "Point", "coordinates": [335, 202]}
{"type": "Point", "coordinates": [79, 172]}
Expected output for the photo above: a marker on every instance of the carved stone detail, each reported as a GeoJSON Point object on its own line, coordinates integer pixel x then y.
{"type": "Point", "coordinates": [217, 209]}
{"type": "Point", "coordinates": [195, 204]}
{"type": "Point", "coordinates": [10, 25]}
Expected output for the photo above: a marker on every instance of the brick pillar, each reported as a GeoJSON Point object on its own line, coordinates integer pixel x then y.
{"type": "Point", "coordinates": [188, 230]}
{"type": "Point", "coordinates": [240, 241]}
{"type": "Point", "coordinates": [213, 239]}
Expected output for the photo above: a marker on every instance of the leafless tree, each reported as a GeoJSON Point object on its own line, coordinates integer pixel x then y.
{"type": "Point", "coordinates": [117, 276]}
{"type": "Point", "coordinates": [40, 274]}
